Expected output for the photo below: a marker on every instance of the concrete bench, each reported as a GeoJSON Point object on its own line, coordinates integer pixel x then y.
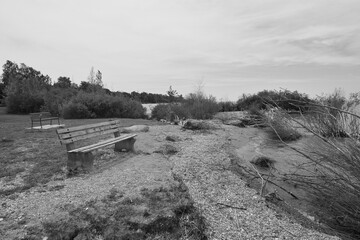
{"type": "Point", "coordinates": [41, 117]}
{"type": "Point", "coordinates": [81, 158]}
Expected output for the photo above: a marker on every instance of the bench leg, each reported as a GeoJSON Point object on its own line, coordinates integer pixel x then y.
{"type": "Point", "coordinates": [80, 161]}
{"type": "Point", "coordinates": [127, 145]}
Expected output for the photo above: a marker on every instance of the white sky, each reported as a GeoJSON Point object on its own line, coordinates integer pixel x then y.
{"type": "Point", "coordinates": [230, 46]}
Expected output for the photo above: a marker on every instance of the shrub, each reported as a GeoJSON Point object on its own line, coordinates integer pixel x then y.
{"type": "Point", "coordinates": [101, 105]}
{"type": "Point", "coordinates": [161, 111]}
{"type": "Point", "coordinates": [281, 127]}
{"type": "Point", "coordinates": [24, 103]}
{"type": "Point", "coordinates": [180, 110]}
{"type": "Point", "coordinates": [285, 99]}
{"type": "Point", "coordinates": [73, 110]}
{"type": "Point", "coordinates": [196, 105]}
{"type": "Point", "coordinates": [55, 99]}
{"type": "Point", "coordinates": [201, 106]}
{"type": "Point", "coordinates": [331, 116]}
{"type": "Point", "coordinates": [227, 106]}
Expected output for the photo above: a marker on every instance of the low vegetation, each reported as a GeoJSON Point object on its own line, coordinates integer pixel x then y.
{"type": "Point", "coordinates": [283, 99]}
{"type": "Point", "coordinates": [196, 106]}
{"type": "Point", "coordinates": [161, 213]}
{"type": "Point", "coordinates": [332, 176]}
{"type": "Point", "coordinates": [35, 157]}
{"type": "Point", "coordinates": [280, 126]}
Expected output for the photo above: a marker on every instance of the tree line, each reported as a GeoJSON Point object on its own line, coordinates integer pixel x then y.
{"type": "Point", "coordinates": [24, 89]}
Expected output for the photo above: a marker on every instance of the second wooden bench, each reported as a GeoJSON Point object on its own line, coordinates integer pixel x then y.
{"type": "Point", "coordinates": [42, 117]}
{"type": "Point", "coordinates": [81, 158]}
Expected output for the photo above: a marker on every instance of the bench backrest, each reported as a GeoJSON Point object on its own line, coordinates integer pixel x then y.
{"type": "Point", "coordinates": [40, 115]}
{"type": "Point", "coordinates": [73, 134]}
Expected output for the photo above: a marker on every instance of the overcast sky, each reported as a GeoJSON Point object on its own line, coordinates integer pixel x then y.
{"type": "Point", "coordinates": [230, 47]}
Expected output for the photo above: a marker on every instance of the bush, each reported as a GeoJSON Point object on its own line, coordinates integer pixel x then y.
{"type": "Point", "coordinates": [23, 103]}
{"type": "Point", "coordinates": [201, 106]}
{"type": "Point", "coordinates": [287, 100]}
{"type": "Point", "coordinates": [281, 128]}
{"type": "Point", "coordinates": [196, 105]}
{"type": "Point", "coordinates": [181, 111]}
{"type": "Point", "coordinates": [73, 110]}
{"type": "Point", "coordinates": [227, 106]}
{"type": "Point", "coordinates": [101, 105]}
{"type": "Point", "coordinates": [161, 111]}
{"type": "Point", "coordinates": [55, 99]}
{"type": "Point", "coordinates": [331, 116]}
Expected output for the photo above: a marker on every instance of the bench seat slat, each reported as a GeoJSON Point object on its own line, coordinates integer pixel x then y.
{"type": "Point", "coordinates": [102, 143]}
{"type": "Point", "coordinates": [78, 128]}
{"type": "Point", "coordinates": [44, 119]}
{"type": "Point", "coordinates": [65, 136]}
{"type": "Point", "coordinates": [118, 139]}
{"type": "Point", "coordinates": [82, 137]}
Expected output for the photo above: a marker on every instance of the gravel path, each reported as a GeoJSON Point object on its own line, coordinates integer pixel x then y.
{"type": "Point", "coordinates": [232, 210]}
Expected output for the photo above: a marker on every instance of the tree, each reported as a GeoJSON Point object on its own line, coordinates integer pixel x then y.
{"type": "Point", "coordinates": [173, 94]}
{"type": "Point", "coordinates": [24, 88]}
{"type": "Point", "coordinates": [98, 79]}
{"type": "Point", "coordinates": [2, 92]}
{"type": "Point", "coordinates": [95, 79]}
{"type": "Point", "coordinates": [9, 69]}
{"type": "Point", "coordinates": [63, 82]}
{"type": "Point", "coordinates": [91, 77]}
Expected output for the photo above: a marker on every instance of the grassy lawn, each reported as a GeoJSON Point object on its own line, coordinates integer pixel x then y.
{"type": "Point", "coordinates": [29, 158]}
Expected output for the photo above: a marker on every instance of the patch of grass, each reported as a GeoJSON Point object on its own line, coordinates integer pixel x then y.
{"type": "Point", "coordinates": [167, 149]}
{"type": "Point", "coordinates": [36, 153]}
{"type": "Point", "coordinates": [10, 172]}
{"type": "Point", "coordinates": [161, 213]}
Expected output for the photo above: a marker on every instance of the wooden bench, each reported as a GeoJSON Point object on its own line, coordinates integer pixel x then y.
{"type": "Point", "coordinates": [81, 158]}
{"type": "Point", "coordinates": [42, 117]}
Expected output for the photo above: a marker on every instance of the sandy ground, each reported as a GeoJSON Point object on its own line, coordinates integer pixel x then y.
{"type": "Point", "coordinates": [203, 161]}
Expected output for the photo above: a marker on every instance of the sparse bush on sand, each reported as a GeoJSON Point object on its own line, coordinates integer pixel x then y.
{"type": "Point", "coordinates": [281, 127]}
{"type": "Point", "coordinates": [201, 106]}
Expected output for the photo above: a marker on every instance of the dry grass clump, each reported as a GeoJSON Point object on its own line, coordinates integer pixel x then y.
{"type": "Point", "coordinates": [263, 162]}
{"type": "Point", "coordinates": [281, 127]}
{"type": "Point", "coordinates": [332, 122]}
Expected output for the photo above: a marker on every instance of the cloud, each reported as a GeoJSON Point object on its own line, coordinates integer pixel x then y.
{"type": "Point", "coordinates": [147, 43]}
